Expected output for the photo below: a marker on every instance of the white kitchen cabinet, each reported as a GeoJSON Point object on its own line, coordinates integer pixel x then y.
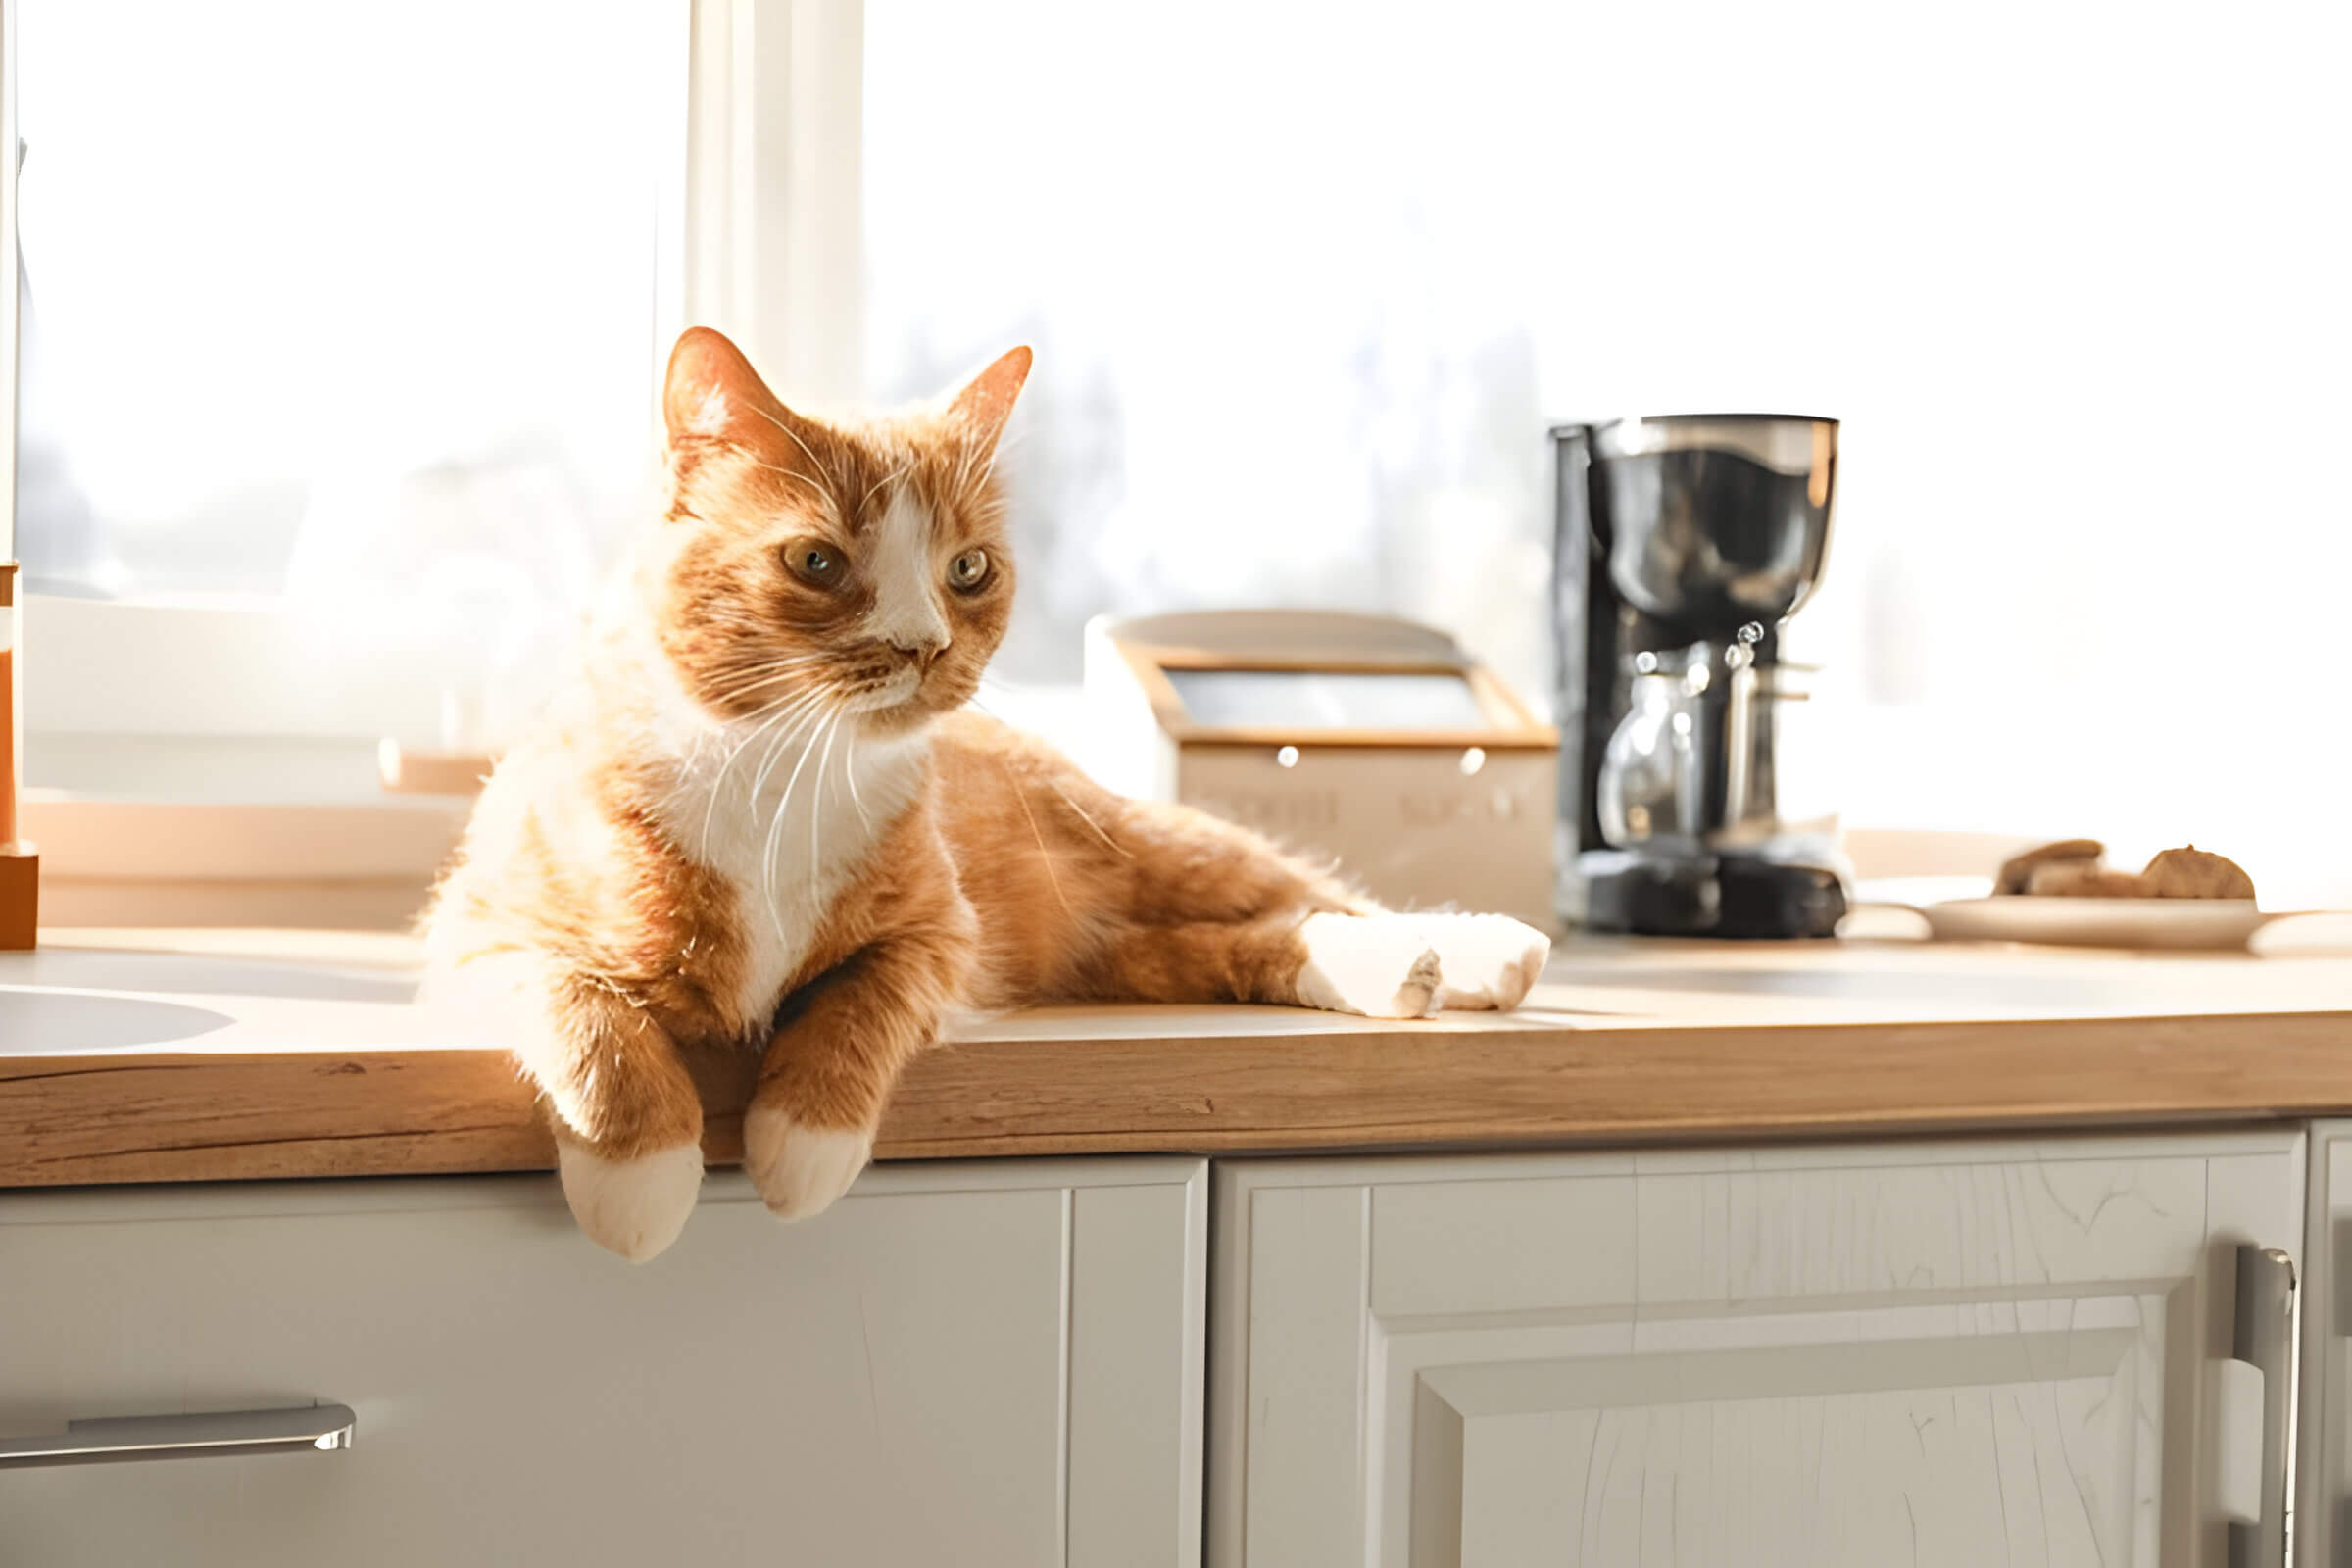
{"type": "Point", "coordinates": [1933, 1353]}
{"type": "Point", "coordinates": [988, 1363]}
{"type": "Point", "coordinates": [2324, 1451]}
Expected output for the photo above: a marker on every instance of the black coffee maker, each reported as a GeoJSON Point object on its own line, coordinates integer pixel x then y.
{"type": "Point", "coordinates": [1682, 545]}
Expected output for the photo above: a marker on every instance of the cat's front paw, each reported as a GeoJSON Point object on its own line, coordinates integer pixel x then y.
{"type": "Point", "coordinates": [1379, 965]}
{"type": "Point", "coordinates": [800, 1169]}
{"type": "Point", "coordinates": [1491, 961]}
{"type": "Point", "coordinates": [635, 1207]}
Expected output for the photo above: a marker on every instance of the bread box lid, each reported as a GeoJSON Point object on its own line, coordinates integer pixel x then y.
{"type": "Point", "coordinates": [1280, 677]}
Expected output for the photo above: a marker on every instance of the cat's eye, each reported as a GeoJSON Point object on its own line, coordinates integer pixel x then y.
{"type": "Point", "coordinates": [814, 564]}
{"type": "Point", "coordinates": [968, 570]}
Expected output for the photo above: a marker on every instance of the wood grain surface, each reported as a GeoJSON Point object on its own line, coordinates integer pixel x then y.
{"type": "Point", "coordinates": [242, 1055]}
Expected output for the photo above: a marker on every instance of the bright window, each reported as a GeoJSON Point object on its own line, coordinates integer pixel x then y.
{"type": "Point", "coordinates": [1308, 283]}
{"type": "Point", "coordinates": [345, 309]}
{"type": "Point", "coordinates": [356, 311]}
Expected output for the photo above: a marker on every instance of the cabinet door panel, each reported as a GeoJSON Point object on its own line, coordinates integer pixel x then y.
{"type": "Point", "coordinates": [1825, 1453]}
{"type": "Point", "coordinates": [2324, 1458]}
{"type": "Point", "coordinates": [1975, 1351]}
{"type": "Point", "coordinates": [908, 1378]}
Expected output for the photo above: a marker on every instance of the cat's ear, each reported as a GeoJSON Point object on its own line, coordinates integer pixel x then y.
{"type": "Point", "coordinates": [711, 393]}
{"type": "Point", "coordinates": [985, 402]}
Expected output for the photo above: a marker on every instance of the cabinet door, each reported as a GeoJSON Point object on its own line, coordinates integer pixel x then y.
{"type": "Point", "coordinates": [2323, 1452]}
{"type": "Point", "coordinates": [1922, 1352]}
{"type": "Point", "coordinates": [985, 1363]}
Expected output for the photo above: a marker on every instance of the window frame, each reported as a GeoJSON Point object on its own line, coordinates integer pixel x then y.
{"type": "Point", "coordinates": [9, 261]}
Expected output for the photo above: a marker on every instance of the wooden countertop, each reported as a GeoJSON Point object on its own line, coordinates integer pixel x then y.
{"type": "Point", "coordinates": [199, 1055]}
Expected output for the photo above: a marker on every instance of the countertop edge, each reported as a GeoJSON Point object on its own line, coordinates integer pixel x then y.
{"type": "Point", "coordinates": [70, 1120]}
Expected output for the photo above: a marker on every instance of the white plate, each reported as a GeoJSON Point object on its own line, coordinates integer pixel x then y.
{"type": "Point", "coordinates": [2201, 923]}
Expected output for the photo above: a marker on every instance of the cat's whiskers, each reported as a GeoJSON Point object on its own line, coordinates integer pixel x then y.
{"type": "Point", "coordinates": [1076, 809]}
{"type": "Point", "coordinates": [790, 431]}
{"type": "Point", "coordinates": [751, 724]}
{"type": "Point", "coordinates": [815, 703]}
{"type": "Point", "coordinates": [848, 767]}
{"type": "Point", "coordinates": [987, 471]}
{"type": "Point", "coordinates": [1044, 855]}
{"type": "Point", "coordinates": [786, 708]}
{"type": "Point", "coordinates": [1116, 847]}
{"type": "Point", "coordinates": [754, 665]}
{"type": "Point", "coordinates": [760, 668]}
{"type": "Point", "coordinates": [963, 471]}
{"type": "Point", "coordinates": [900, 471]}
{"type": "Point", "coordinates": [757, 677]}
{"type": "Point", "coordinates": [743, 688]}
{"type": "Point", "coordinates": [816, 804]}
{"type": "Point", "coordinates": [767, 872]}
{"type": "Point", "coordinates": [824, 492]}
{"type": "Point", "coordinates": [775, 831]}
{"type": "Point", "coordinates": [778, 468]}
{"type": "Point", "coordinates": [966, 480]}
{"type": "Point", "coordinates": [803, 715]}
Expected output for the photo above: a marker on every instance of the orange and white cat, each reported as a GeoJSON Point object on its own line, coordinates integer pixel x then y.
{"type": "Point", "coordinates": [762, 820]}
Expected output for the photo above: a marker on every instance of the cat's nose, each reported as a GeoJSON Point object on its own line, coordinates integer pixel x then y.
{"type": "Point", "coordinates": [924, 651]}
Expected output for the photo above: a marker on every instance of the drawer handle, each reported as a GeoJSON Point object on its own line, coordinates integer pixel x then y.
{"type": "Point", "coordinates": [325, 1427]}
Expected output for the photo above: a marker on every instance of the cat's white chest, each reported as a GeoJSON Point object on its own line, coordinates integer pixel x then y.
{"type": "Point", "coordinates": [787, 828]}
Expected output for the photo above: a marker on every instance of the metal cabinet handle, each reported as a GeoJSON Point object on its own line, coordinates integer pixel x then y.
{"type": "Point", "coordinates": [2263, 1336]}
{"type": "Point", "coordinates": [325, 1427]}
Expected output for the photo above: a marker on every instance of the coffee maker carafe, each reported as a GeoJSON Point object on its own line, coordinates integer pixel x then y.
{"type": "Point", "coordinates": [1683, 543]}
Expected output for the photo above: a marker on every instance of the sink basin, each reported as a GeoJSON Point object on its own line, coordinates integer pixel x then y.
{"type": "Point", "coordinates": [62, 999]}
{"type": "Point", "coordinates": [67, 1021]}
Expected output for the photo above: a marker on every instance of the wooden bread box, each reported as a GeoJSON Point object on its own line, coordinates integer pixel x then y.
{"type": "Point", "coordinates": [1373, 740]}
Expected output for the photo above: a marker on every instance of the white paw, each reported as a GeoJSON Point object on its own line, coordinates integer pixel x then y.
{"type": "Point", "coordinates": [635, 1207]}
{"type": "Point", "coordinates": [1490, 961]}
{"type": "Point", "coordinates": [1380, 965]}
{"type": "Point", "coordinates": [799, 1170]}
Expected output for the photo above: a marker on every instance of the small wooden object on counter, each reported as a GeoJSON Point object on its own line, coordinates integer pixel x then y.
{"type": "Point", "coordinates": [1301, 724]}
{"type": "Point", "coordinates": [407, 771]}
{"type": "Point", "coordinates": [20, 898]}
{"type": "Point", "coordinates": [20, 866]}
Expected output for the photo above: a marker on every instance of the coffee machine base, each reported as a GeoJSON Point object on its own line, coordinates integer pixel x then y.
{"type": "Point", "coordinates": [1709, 896]}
